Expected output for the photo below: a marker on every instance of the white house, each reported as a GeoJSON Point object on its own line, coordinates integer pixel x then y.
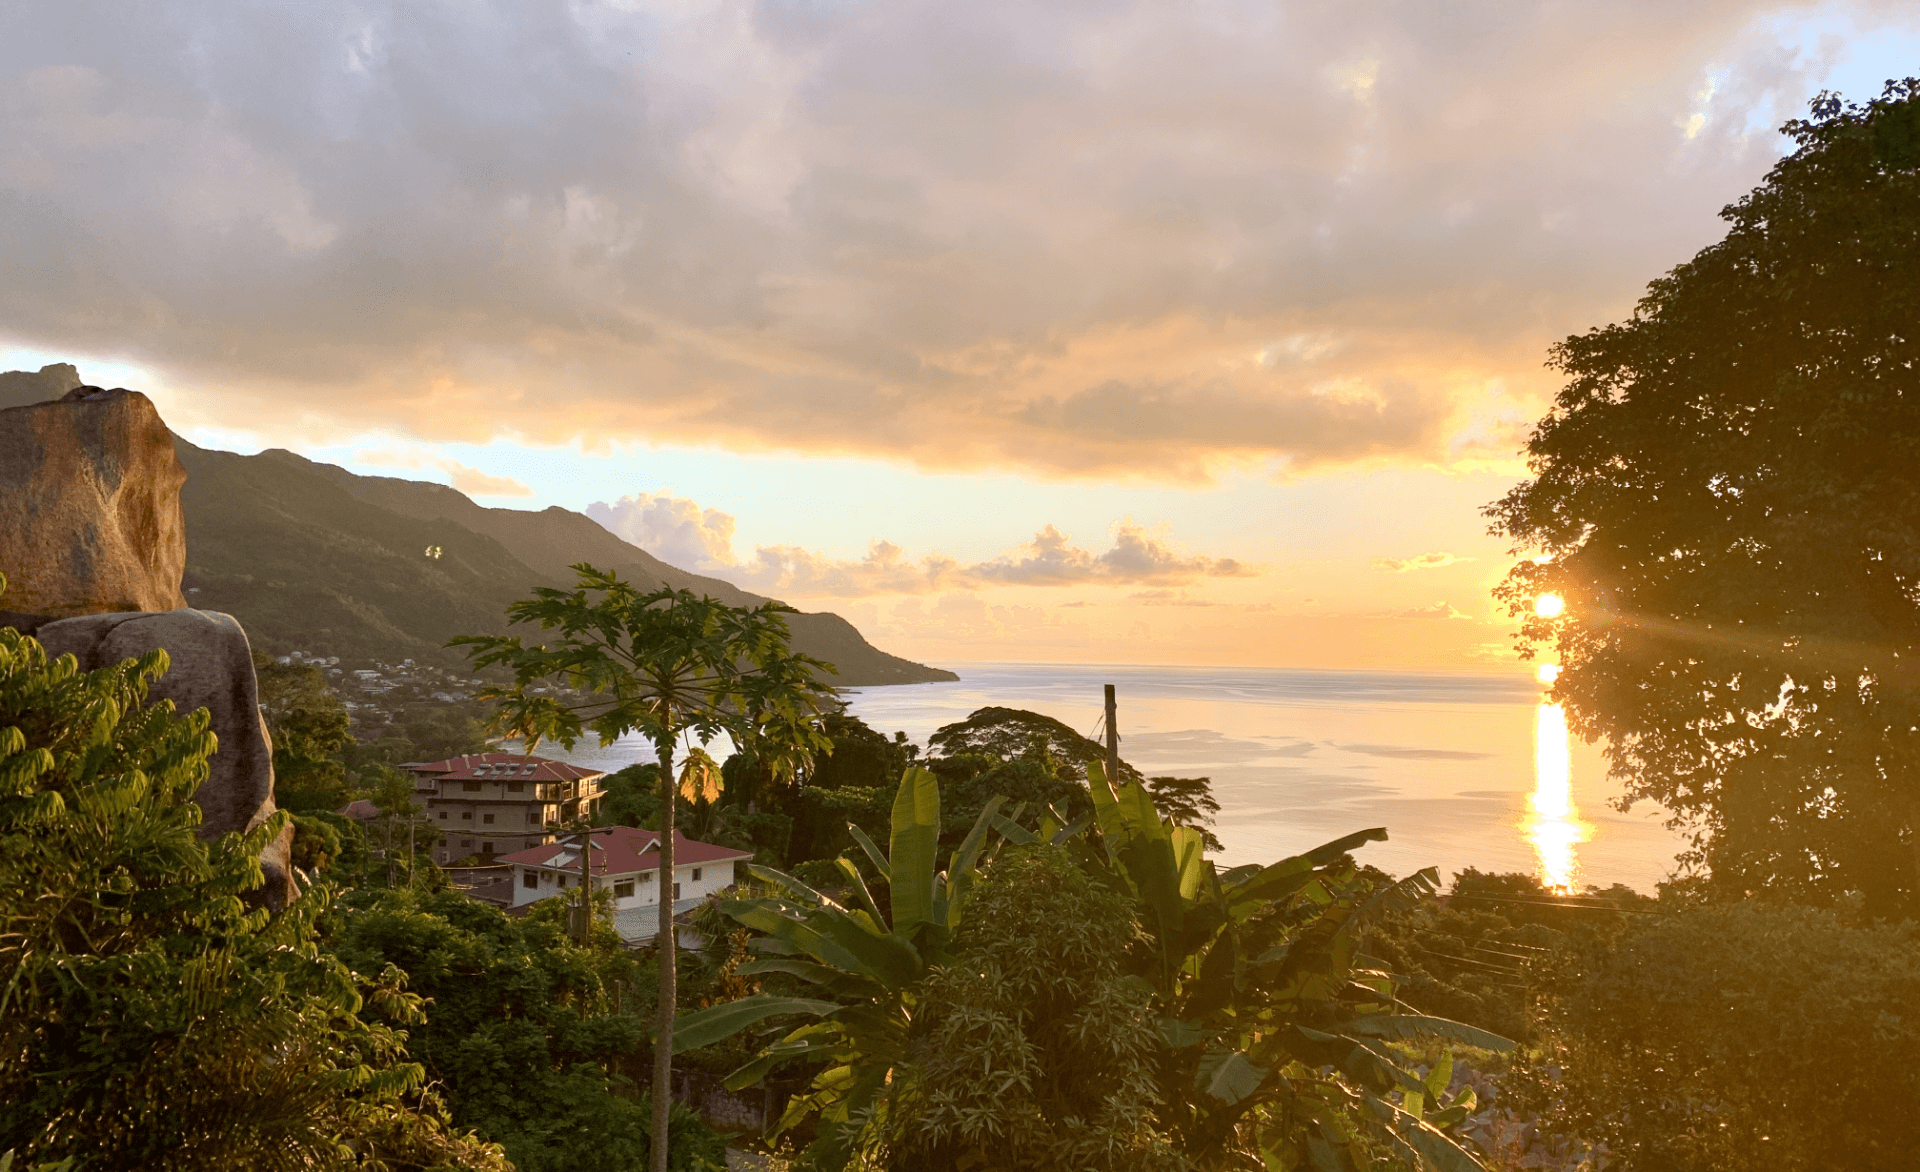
{"type": "Point", "coordinates": [626, 862]}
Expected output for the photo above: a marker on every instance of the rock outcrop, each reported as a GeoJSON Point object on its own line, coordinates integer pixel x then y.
{"type": "Point", "coordinates": [90, 518]}
{"type": "Point", "coordinates": [19, 388]}
{"type": "Point", "coordinates": [93, 545]}
{"type": "Point", "coordinates": [211, 667]}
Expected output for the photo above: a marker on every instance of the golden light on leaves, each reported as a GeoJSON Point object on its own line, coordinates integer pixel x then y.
{"type": "Point", "coordinates": [1549, 606]}
{"type": "Point", "coordinates": [699, 777]}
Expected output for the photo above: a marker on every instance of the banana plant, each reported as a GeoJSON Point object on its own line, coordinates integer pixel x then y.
{"type": "Point", "coordinates": [1278, 1030]}
{"type": "Point", "coordinates": [865, 964]}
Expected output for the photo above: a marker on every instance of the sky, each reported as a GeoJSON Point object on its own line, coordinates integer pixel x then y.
{"type": "Point", "coordinates": [1192, 333]}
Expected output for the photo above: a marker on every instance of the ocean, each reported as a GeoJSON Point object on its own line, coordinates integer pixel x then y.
{"type": "Point", "coordinates": [1463, 769]}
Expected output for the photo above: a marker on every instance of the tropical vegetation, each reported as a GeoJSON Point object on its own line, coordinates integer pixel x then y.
{"type": "Point", "coordinates": [671, 666]}
{"type": "Point", "coordinates": [153, 1014]}
{"type": "Point", "coordinates": [1235, 1016]}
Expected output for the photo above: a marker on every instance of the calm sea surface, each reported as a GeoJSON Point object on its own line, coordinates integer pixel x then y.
{"type": "Point", "coordinates": [1463, 769]}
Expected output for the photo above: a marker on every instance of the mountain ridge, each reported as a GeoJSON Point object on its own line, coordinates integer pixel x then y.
{"type": "Point", "coordinates": [312, 555]}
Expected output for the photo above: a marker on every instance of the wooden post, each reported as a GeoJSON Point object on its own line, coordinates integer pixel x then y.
{"type": "Point", "coordinates": [1113, 742]}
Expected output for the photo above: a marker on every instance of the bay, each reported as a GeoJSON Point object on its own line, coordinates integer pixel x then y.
{"type": "Point", "coordinates": [1463, 769]}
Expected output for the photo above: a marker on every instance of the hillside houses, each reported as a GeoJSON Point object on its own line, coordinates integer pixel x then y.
{"type": "Point", "coordinates": [493, 804]}
{"type": "Point", "coordinates": [625, 862]}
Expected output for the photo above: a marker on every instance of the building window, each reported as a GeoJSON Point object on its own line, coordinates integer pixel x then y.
{"type": "Point", "coordinates": [472, 787]}
{"type": "Point", "coordinates": [529, 879]}
{"type": "Point", "coordinates": [467, 814]}
{"type": "Point", "coordinates": [676, 891]}
{"type": "Point", "coordinates": [443, 815]}
{"type": "Point", "coordinates": [561, 879]}
{"type": "Point", "coordinates": [696, 874]}
{"type": "Point", "coordinates": [623, 889]}
{"type": "Point", "coordinates": [516, 787]}
{"type": "Point", "coordinates": [489, 818]}
{"type": "Point", "coordinates": [466, 842]}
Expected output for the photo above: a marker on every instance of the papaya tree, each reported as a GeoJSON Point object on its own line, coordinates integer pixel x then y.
{"type": "Point", "coordinates": [668, 665]}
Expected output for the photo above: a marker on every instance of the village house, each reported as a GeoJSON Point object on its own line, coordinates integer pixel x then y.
{"type": "Point", "coordinates": [626, 863]}
{"type": "Point", "coordinates": [498, 803]}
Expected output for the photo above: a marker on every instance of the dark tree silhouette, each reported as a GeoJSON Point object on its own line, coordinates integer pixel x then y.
{"type": "Point", "coordinates": [1726, 489]}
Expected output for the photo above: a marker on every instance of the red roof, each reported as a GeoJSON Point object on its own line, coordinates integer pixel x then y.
{"type": "Point", "coordinates": [360, 809]}
{"type": "Point", "coordinates": [502, 766]}
{"type": "Point", "coordinates": [623, 850]}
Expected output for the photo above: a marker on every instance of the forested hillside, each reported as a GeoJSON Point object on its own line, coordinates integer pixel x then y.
{"type": "Point", "coordinates": [312, 556]}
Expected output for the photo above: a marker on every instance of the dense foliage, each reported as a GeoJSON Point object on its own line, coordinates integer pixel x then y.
{"type": "Point", "coordinates": [537, 1041]}
{"type": "Point", "coordinates": [1263, 1039]}
{"type": "Point", "coordinates": [1037, 1051]}
{"type": "Point", "coordinates": [309, 726]}
{"type": "Point", "coordinates": [1475, 955]}
{"type": "Point", "coordinates": [1728, 1038]}
{"type": "Point", "coordinates": [153, 1015]}
{"type": "Point", "coordinates": [1725, 495]}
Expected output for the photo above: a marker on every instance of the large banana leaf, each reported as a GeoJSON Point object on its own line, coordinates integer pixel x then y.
{"type": "Point", "coordinates": [720, 1022]}
{"type": "Point", "coordinates": [916, 841]}
{"type": "Point", "coordinates": [1245, 961]}
{"type": "Point", "coordinates": [855, 954]}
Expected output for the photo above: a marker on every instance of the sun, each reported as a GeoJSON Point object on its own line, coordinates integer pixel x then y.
{"type": "Point", "coordinates": [1549, 606]}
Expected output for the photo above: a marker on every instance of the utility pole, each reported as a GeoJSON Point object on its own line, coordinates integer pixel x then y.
{"type": "Point", "coordinates": [1113, 743]}
{"type": "Point", "coordinates": [586, 887]}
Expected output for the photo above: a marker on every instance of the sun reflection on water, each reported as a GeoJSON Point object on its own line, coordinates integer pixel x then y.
{"type": "Point", "coordinates": [1553, 825]}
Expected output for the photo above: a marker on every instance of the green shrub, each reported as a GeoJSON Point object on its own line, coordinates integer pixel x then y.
{"type": "Point", "coordinates": [1039, 1051]}
{"type": "Point", "coordinates": [152, 1018]}
{"type": "Point", "coordinates": [1738, 1037]}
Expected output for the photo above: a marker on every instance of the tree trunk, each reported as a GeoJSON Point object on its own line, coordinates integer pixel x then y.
{"type": "Point", "coordinates": [669, 956]}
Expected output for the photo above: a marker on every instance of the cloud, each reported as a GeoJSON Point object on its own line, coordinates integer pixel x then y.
{"type": "Point", "coordinates": [1148, 240]}
{"type": "Point", "coordinates": [1426, 561]}
{"type": "Point", "coordinates": [1438, 610]}
{"type": "Point", "coordinates": [791, 570]}
{"type": "Point", "coordinates": [471, 481]}
{"type": "Point", "coordinates": [681, 533]}
{"type": "Point", "coordinates": [675, 530]}
{"type": "Point", "coordinates": [1137, 556]}
{"type": "Point", "coordinates": [1171, 598]}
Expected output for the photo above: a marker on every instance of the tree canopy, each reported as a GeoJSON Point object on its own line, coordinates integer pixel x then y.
{"type": "Point", "coordinates": [151, 1017]}
{"type": "Point", "coordinates": [1008, 733]}
{"type": "Point", "coordinates": [1725, 494]}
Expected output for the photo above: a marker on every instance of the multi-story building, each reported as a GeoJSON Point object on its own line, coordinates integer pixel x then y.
{"type": "Point", "coordinates": [625, 862]}
{"type": "Point", "coordinates": [490, 804]}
